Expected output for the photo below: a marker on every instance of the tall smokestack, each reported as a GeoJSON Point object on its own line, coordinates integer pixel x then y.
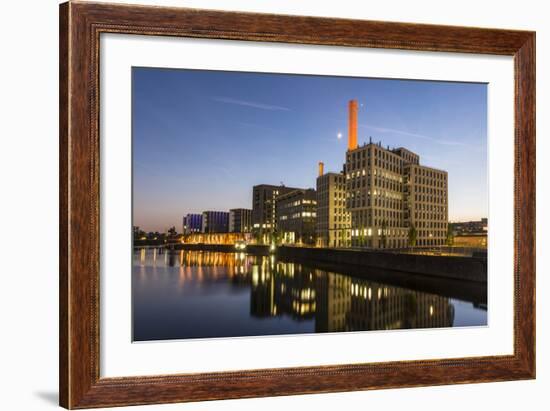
{"type": "Point", "coordinates": [352, 122]}
{"type": "Point", "coordinates": [321, 168]}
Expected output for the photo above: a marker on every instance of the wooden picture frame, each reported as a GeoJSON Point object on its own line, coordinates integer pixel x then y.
{"type": "Point", "coordinates": [80, 27]}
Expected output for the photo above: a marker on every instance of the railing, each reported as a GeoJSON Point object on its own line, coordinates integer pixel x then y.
{"type": "Point", "coordinates": [438, 250]}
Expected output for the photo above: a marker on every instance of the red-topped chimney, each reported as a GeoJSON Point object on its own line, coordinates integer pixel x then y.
{"type": "Point", "coordinates": [352, 120]}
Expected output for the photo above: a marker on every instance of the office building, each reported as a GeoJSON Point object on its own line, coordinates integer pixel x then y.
{"type": "Point", "coordinates": [192, 223]}
{"type": "Point", "coordinates": [263, 210]}
{"type": "Point", "coordinates": [296, 216]}
{"type": "Point", "coordinates": [333, 220]}
{"type": "Point", "coordinates": [215, 222]}
{"type": "Point", "coordinates": [240, 220]}
{"type": "Point", "coordinates": [426, 204]}
{"type": "Point", "coordinates": [394, 201]}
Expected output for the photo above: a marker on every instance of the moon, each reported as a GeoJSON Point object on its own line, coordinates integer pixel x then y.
{"type": "Point", "coordinates": [339, 135]}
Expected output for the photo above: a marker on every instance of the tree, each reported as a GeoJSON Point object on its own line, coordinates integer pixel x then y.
{"type": "Point", "coordinates": [257, 236]}
{"type": "Point", "coordinates": [384, 230]}
{"type": "Point", "coordinates": [412, 236]}
{"type": "Point", "coordinates": [361, 237]}
{"type": "Point", "coordinates": [275, 237]}
{"type": "Point", "coordinates": [450, 236]}
{"type": "Point", "coordinates": [172, 231]}
{"type": "Point", "coordinates": [138, 233]}
{"type": "Point", "coordinates": [155, 235]}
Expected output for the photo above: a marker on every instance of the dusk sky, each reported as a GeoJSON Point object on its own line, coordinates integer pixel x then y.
{"type": "Point", "coordinates": [202, 139]}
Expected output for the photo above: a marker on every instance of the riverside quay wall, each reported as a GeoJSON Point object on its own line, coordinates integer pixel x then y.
{"type": "Point", "coordinates": [450, 267]}
{"type": "Point", "coordinates": [447, 267]}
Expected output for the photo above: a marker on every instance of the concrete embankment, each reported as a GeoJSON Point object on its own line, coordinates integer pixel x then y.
{"type": "Point", "coordinates": [449, 267]}
{"type": "Point", "coordinates": [473, 291]}
{"type": "Point", "coordinates": [472, 269]}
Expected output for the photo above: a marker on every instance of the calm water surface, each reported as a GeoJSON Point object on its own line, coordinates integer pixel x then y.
{"type": "Point", "coordinates": [191, 294]}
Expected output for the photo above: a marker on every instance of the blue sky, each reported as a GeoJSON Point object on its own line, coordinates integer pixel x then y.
{"type": "Point", "coordinates": [202, 139]}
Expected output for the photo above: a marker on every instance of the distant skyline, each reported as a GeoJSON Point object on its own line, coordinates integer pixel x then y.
{"type": "Point", "coordinates": [202, 139]}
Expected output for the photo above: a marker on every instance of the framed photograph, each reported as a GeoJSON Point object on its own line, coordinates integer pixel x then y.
{"type": "Point", "coordinates": [259, 205]}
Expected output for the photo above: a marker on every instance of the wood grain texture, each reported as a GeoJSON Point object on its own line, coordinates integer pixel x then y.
{"type": "Point", "coordinates": [80, 27]}
{"type": "Point", "coordinates": [525, 200]}
{"type": "Point", "coordinates": [63, 205]}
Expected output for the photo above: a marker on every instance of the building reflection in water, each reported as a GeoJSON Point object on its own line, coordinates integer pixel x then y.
{"type": "Point", "coordinates": [335, 302]}
{"type": "Point", "coordinates": [350, 304]}
{"type": "Point", "coordinates": [342, 303]}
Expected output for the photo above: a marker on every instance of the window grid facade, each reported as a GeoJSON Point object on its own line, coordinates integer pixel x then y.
{"type": "Point", "coordinates": [264, 217]}
{"type": "Point", "coordinates": [388, 192]}
{"type": "Point", "coordinates": [296, 216]}
{"type": "Point", "coordinates": [333, 219]}
{"type": "Point", "coordinates": [240, 220]}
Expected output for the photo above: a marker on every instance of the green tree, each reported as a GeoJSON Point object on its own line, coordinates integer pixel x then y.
{"type": "Point", "coordinates": [412, 236]}
{"type": "Point", "coordinates": [450, 236]}
{"type": "Point", "coordinates": [384, 232]}
{"type": "Point", "coordinates": [343, 239]}
{"type": "Point", "coordinates": [138, 233]}
{"type": "Point", "coordinates": [276, 237]}
{"type": "Point", "coordinates": [257, 236]}
{"type": "Point", "coordinates": [361, 237]}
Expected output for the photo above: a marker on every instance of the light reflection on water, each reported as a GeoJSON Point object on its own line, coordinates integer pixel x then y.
{"type": "Point", "coordinates": [193, 294]}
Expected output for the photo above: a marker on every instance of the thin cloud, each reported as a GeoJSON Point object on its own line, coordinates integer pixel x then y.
{"type": "Point", "coordinates": [406, 133]}
{"type": "Point", "coordinates": [253, 104]}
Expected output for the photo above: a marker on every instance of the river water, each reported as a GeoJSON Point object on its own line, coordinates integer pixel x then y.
{"type": "Point", "coordinates": [194, 294]}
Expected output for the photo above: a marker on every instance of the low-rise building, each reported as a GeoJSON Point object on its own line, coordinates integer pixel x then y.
{"type": "Point", "coordinates": [264, 218]}
{"type": "Point", "coordinates": [296, 213]}
{"type": "Point", "coordinates": [192, 223]}
{"type": "Point", "coordinates": [240, 220]}
{"type": "Point", "coordinates": [469, 227]}
{"type": "Point", "coordinates": [215, 222]}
